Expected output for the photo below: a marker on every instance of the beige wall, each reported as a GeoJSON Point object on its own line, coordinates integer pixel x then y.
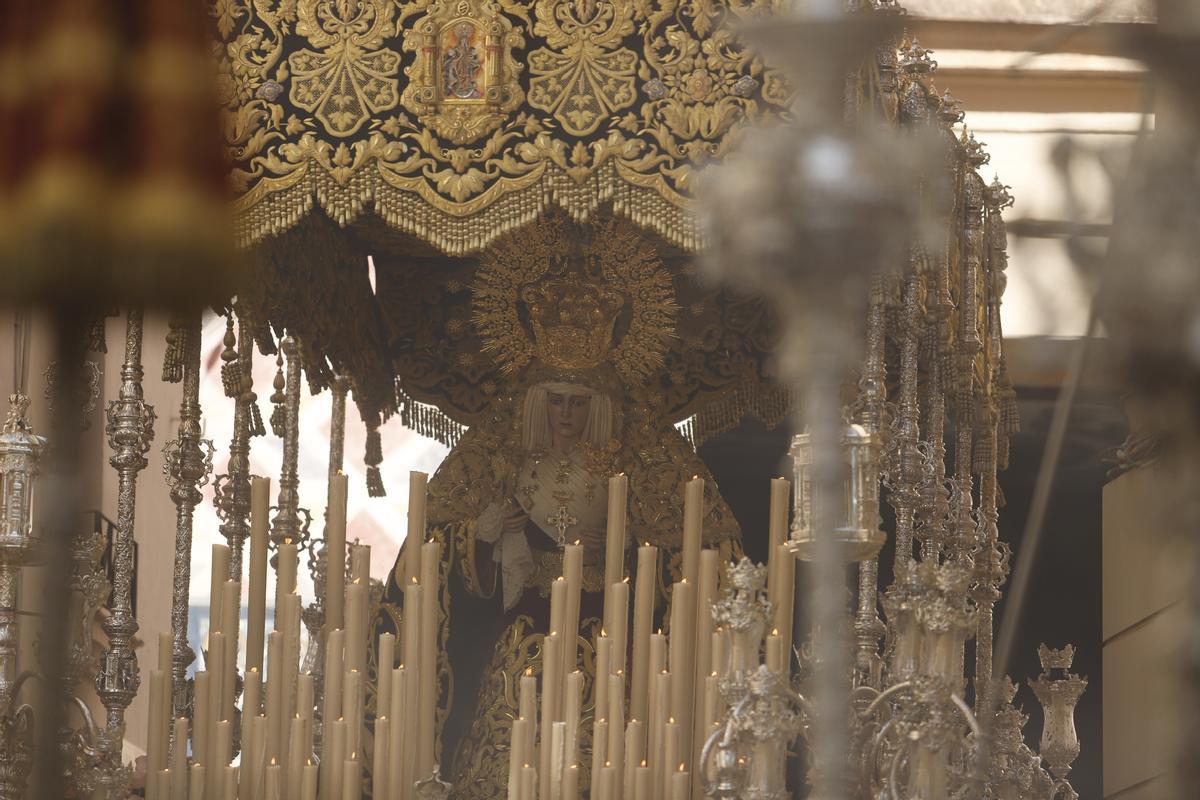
{"type": "Point", "coordinates": [1141, 619]}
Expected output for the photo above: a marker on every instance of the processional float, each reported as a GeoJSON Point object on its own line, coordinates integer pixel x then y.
{"type": "Point", "coordinates": [855, 261]}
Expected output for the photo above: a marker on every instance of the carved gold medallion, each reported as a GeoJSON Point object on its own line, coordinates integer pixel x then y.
{"type": "Point", "coordinates": [463, 83]}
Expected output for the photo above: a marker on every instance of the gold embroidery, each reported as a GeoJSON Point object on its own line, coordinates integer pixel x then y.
{"type": "Point", "coordinates": [463, 83]}
{"type": "Point", "coordinates": [579, 77]}
{"type": "Point", "coordinates": [626, 266]}
{"type": "Point", "coordinates": [481, 764]}
{"type": "Point", "coordinates": [624, 98]}
{"type": "Point", "coordinates": [352, 76]}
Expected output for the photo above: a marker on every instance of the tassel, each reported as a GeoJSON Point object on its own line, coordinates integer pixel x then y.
{"type": "Point", "coordinates": [373, 458]}
{"type": "Point", "coordinates": [375, 483]}
{"type": "Point", "coordinates": [95, 335]}
{"type": "Point", "coordinates": [231, 373]}
{"type": "Point", "coordinates": [984, 454]}
{"type": "Point", "coordinates": [1010, 416]}
{"type": "Point", "coordinates": [278, 398]}
{"type": "Point", "coordinates": [256, 421]}
{"type": "Point", "coordinates": [177, 347]}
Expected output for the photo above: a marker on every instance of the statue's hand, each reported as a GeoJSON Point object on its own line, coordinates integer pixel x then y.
{"type": "Point", "coordinates": [514, 520]}
{"type": "Point", "coordinates": [592, 538]}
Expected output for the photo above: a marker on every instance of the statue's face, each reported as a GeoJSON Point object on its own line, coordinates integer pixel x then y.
{"type": "Point", "coordinates": [568, 414]}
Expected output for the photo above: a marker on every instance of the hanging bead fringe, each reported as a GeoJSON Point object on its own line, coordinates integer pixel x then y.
{"type": "Point", "coordinates": [427, 420]}
{"type": "Point", "coordinates": [177, 348]}
{"type": "Point", "coordinates": [373, 458]}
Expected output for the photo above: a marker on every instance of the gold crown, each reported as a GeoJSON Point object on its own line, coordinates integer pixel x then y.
{"type": "Point", "coordinates": [572, 322]}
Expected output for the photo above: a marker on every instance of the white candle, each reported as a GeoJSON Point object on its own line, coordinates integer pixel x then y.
{"type": "Point", "coordinates": [615, 751]}
{"type": "Point", "coordinates": [295, 758]}
{"type": "Point", "coordinates": [702, 661]}
{"type": "Point", "coordinates": [258, 741]}
{"type": "Point", "coordinates": [573, 574]}
{"type": "Point", "coordinates": [231, 602]}
{"type": "Point", "coordinates": [308, 786]}
{"type": "Point", "coordinates": [528, 783]}
{"type": "Point", "coordinates": [179, 767]}
{"type": "Point", "coordinates": [672, 750]}
{"type": "Point", "coordinates": [397, 710]}
{"type": "Point", "coordinates": [260, 500]}
{"type": "Point", "coordinates": [221, 752]}
{"type": "Point", "coordinates": [642, 783]}
{"type": "Point", "coordinates": [617, 626]}
{"type": "Point", "coordinates": [167, 712]}
{"type": "Point", "coordinates": [782, 616]}
{"type": "Point", "coordinates": [660, 703]}
{"type": "Point", "coordinates": [614, 550]}
{"type": "Point", "coordinates": [380, 763]}
{"type": "Point", "coordinates": [333, 761]}
{"type": "Point", "coordinates": [356, 629]}
{"type": "Point", "coordinates": [200, 718]}
{"type": "Point", "coordinates": [287, 560]}
{"type": "Point", "coordinates": [643, 619]}
{"type": "Point", "coordinates": [417, 489]}
{"type": "Point", "coordinates": [573, 695]}
{"type": "Point", "coordinates": [777, 532]}
{"type": "Point", "coordinates": [220, 573]}
{"type": "Point", "coordinates": [518, 756]}
{"type": "Point", "coordinates": [305, 706]}
{"type": "Point", "coordinates": [610, 782]}
{"type": "Point", "coordinates": [274, 782]}
{"type": "Point", "coordinates": [411, 702]}
{"type": "Point", "coordinates": [156, 753]}
{"type": "Point", "coordinates": [333, 688]}
{"type": "Point", "coordinates": [558, 737]}
{"type": "Point", "coordinates": [683, 617]}
{"type": "Point", "coordinates": [249, 759]}
{"type": "Point", "coordinates": [275, 711]}
{"type": "Point", "coordinates": [352, 780]}
{"type": "Point", "coordinates": [360, 562]}
{"type": "Point", "coordinates": [352, 703]}
{"type": "Point", "coordinates": [196, 784]}
{"type": "Point", "coordinates": [570, 784]}
{"type": "Point", "coordinates": [386, 663]}
{"type": "Point", "coordinates": [335, 551]}
{"type": "Point", "coordinates": [603, 670]}
{"type": "Point", "coordinates": [430, 566]}
{"type": "Point", "coordinates": [527, 708]}
{"type": "Point", "coordinates": [599, 746]}
{"type": "Point", "coordinates": [774, 652]}
{"type": "Point", "coordinates": [411, 629]}
{"type": "Point", "coordinates": [551, 649]}
{"type": "Point", "coordinates": [680, 785]}
{"type": "Point", "coordinates": [693, 527]}
{"type": "Point", "coordinates": [635, 743]}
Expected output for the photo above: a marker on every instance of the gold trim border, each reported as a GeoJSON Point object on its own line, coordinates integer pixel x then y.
{"type": "Point", "coordinates": [411, 205]}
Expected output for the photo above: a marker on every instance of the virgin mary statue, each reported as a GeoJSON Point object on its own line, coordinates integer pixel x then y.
{"type": "Point", "coordinates": [581, 340]}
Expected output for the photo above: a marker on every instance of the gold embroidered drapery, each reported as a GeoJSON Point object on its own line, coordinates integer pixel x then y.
{"type": "Point", "coordinates": [458, 120]}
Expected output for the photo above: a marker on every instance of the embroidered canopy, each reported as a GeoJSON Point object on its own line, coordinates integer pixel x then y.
{"type": "Point", "coordinates": [457, 120]}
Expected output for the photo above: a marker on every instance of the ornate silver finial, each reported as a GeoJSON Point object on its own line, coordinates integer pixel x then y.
{"type": "Point", "coordinates": [998, 196]}
{"type": "Point", "coordinates": [291, 522]}
{"type": "Point", "coordinates": [130, 431]}
{"type": "Point", "coordinates": [1056, 659]}
{"type": "Point", "coordinates": [915, 59]}
{"type": "Point", "coordinates": [187, 464]}
{"type": "Point", "coordinates": [1058, 696]}
{"type": "Point", "coordinates": [433, 787]}
{"type": "Point", "coordinates": [951, 110]}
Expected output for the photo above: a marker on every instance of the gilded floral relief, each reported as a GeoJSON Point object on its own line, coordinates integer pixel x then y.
{"type": "Point", "coordinates": [507, 107]}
